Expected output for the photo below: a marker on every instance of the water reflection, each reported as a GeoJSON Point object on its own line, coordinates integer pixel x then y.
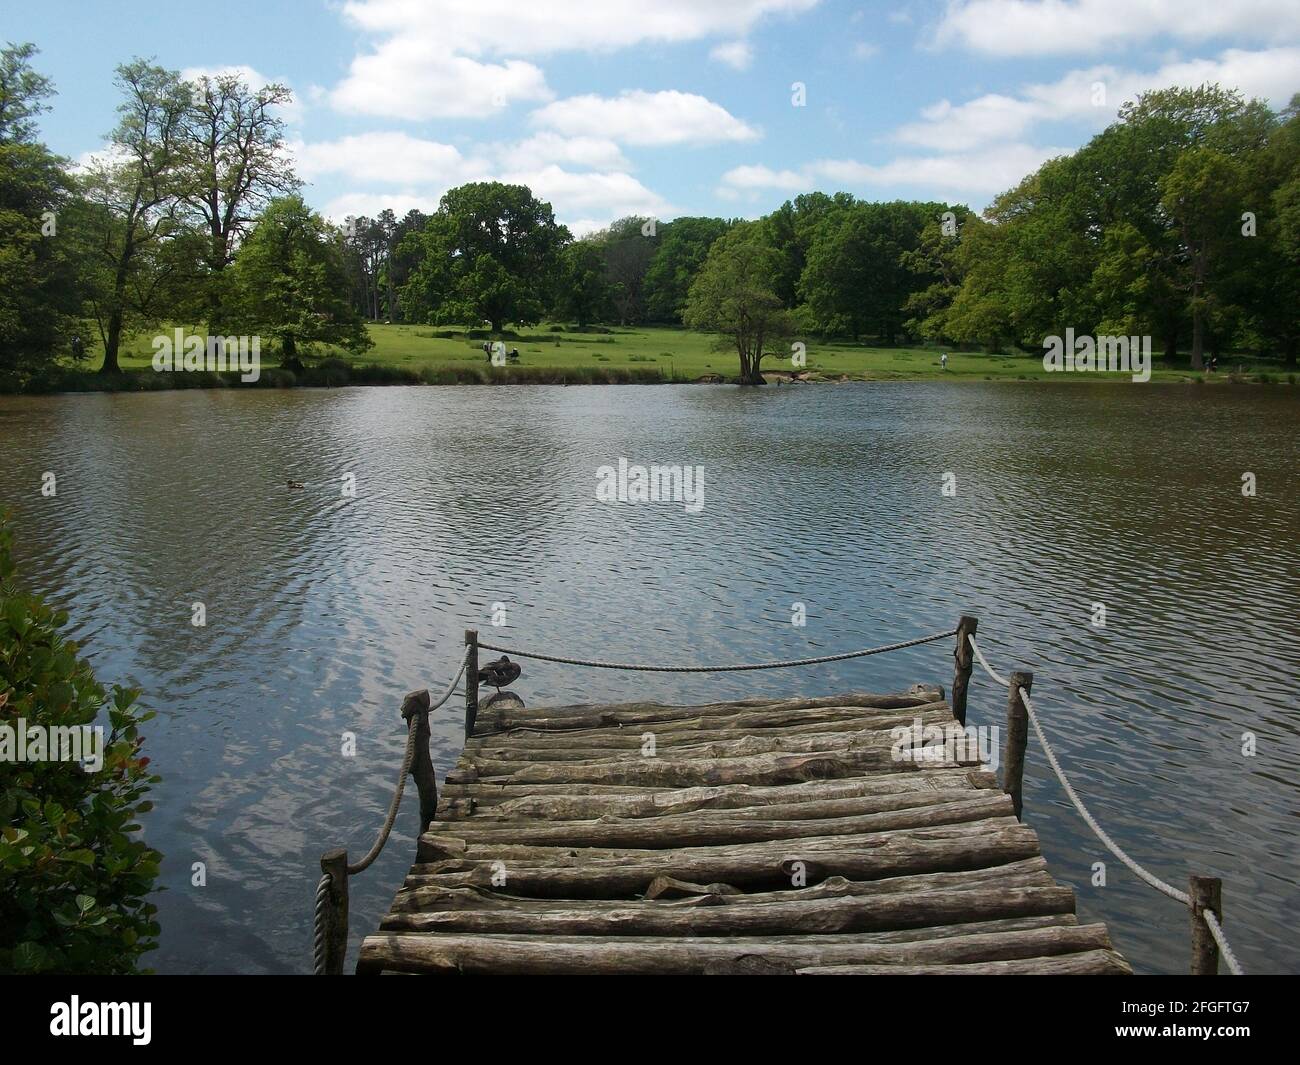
{"type": "Point", "coordinates": [324, 610]}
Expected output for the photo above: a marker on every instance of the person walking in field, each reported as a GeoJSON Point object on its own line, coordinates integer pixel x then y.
{"type": "Point", "coordinates": [943, 360]}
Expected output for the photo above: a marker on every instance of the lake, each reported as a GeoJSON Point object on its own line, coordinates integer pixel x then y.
{"type": "Point", "coordinates": [323, 610]}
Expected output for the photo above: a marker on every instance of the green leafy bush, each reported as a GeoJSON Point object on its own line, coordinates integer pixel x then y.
{"type": "Point", "coordinates": [74, 875]}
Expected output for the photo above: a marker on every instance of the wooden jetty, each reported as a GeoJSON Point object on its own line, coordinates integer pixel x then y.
{"type": "Point", "coordinates": [748, 836]}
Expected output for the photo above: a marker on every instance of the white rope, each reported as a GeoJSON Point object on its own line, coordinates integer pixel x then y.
{"type": "Point", "coordinates": [985, 662]}
{"type": "Point", "coordinates": [318, 927]}
{"type": "Point", "coordinates": [1150, 878]}
{"type": "Point", "coordinates": [1212, 923]}
{"type": "Point", "coordinates": [1115, 849]}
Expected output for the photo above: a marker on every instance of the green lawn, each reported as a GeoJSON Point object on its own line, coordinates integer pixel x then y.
{"type": "Point", "coordinates": [681, 355]}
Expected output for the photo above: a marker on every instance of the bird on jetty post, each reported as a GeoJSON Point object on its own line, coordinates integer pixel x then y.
{"type": "Point", "coordinates": [499, 673]}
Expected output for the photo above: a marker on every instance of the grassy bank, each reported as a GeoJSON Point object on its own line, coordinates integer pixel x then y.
{"type": "Point", "coordinates": [415, 354]}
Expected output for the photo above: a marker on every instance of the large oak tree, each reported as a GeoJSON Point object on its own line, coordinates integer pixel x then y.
{"type": "Point", "coordinates": [488, 254]}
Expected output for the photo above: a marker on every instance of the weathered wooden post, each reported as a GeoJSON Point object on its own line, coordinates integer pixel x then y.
{"type": "Point", "coordinates": [1207, 894]}
{"type": "Point", "coordinates": [965, 659]}
{"type": "Point", "coordinates": [471, 682]}
{"type": "Point", "coordinates": [1013, 766]}
{"type": "Point", "coordinates": [416, 705]}
{"type": "Point", "coordinates": [335, 863]}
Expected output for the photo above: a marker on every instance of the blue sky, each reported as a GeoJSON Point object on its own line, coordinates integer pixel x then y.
{"type": "Point", "coordinates": [668, 107]}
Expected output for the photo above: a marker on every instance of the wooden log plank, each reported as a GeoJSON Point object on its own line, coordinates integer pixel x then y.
{"type": "Point", "coordinates": [757, 769]}
{"type": "Point", "coordinates": [701, 730]}
{"type": "Point", "coordinates": [1031, 872]}
{"type": "Point", "coordinates": [448, 846]}
{"type": "Point", "coordinates": [705, 730]}
{"type": "Point", "coordinates": [750, 866]}
{"type": "Point", "coordinates": [803, 916]}
{"type": "Point", "coordinates": [455, 845]}
{"type": "Point", "coordinates": [603, 715]}
{"type": "Point", "coordinates": [1084, 963]}
{"type": "Point", "coordinates": [997, 926]}
{"type": "Point", "coordinates": [718, 830]}
{"type": "Point", "coordinates": [728, 746]}
{"type": "Point", "coordinates": [629, 800]}
{"type": "Point", "coordinates": [563, 955]}
{"type": "Point", "coordinates": [813, 810]}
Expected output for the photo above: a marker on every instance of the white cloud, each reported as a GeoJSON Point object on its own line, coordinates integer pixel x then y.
{"type": "Point", "coordinates": [971, 172]}
{"type": "Point", "coordinates": [431, 58]}
{"type": "Point", "coordinates": [584, 227]}
{"type": "Point", "coordinates": [764, 177]}
{"type": "Point", "coordinates": [958, 128]}
{"type": "Point", "coordinates": [865, 50]}
{"type": "Point", "coordinates": [1272, 74]}
{"type": "Point", "coordinates": [645, 118]}
{"type": "Point", "coordinates": [388, 158]}
{"type": "Point", "coordinates": [736, 54]}
{"type": "Point", "coordinates": [105, 157]}
{"type": "Point", "coordinates": [412, 172]}
{"type": "Point", "coordinates": [546, 147]}
{"type": "Point", "coordinates": [371, 204]}
{"type": "Point", "coordinates": [404, 78]}
{"type": "Point", "coordinates": [974, 174]}
{"type": "Point", "coordinates": [591, 194]}
{"type": "Point", "coordinates": [526, 27]}
{"type": "Point", "coordinates": [291, 112]}
{"type": "Point", "coordinates": [1046, 27]}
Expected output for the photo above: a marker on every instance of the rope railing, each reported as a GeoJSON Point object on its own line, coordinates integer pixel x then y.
{"type": "Point", "coordinates": [1212, 922]}
{"type": "Point", "coordinates": [329, 942]}
{"type": "Point", "coordinates": [1142, 873]}
{"type": "Point", "coordinates": [329, 928]}
{"type": "Point", "coordinates": [407, 760]}
{"type": "Point", "coordinates": [639, 668]}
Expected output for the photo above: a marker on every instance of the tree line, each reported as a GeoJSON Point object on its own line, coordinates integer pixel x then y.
{"type": "Point", "coordinates": [192, 213]}
{"type": "Point", "coordinates": [1181, 220]}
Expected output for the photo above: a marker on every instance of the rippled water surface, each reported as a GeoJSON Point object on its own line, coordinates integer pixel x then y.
{"type": "Point", "coordinates": [323, 610]}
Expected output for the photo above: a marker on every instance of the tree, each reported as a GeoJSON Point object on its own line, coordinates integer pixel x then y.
{"type": "Point", "coordinates": [1274, 278]}
{"type": "Point", "coordinates": [1027, 271]}
{"type": "Point", "coordinates": [1202, 195]}
{"type": "Point", "coordinates": [489, 253]}
{"type": "Point", "coordinates": [38, 295]}
{"type": "Point", "coordinates": [401, 260]}
{"type": "Point", "coordinates": [856, 278]}
{"type": "Point", "coordinates": [135, 189]}
{"type": "Point", "coordinates": [791, 228]}
{"type": "Point", "coordinates": [289, 283]}
{"type": "Point", "coordinates": [231, 146]}
{"type": "Point", "coordinates": [583, 290]}
{"type": "Point", "coordinates": [77, 876]}
{"type": "Point", "coordinates": [1118, 182]}
{"type": "Point", "coordinates": [22, 94]}
{"type": "Point", "coordinates": [134, 267]}
{"type": "Point", "coordinates": [683, 246]}
{"type": "Point", "coordinates": [937, 265]}
{"type": "Point", "coordinates": [388, 229]}
{"type": "Point", "coordinates": [734, 295]}
{"type": "Point", "coordinates": [630, 245]}
{"type": "Point", "coordinates": [365, 244]}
